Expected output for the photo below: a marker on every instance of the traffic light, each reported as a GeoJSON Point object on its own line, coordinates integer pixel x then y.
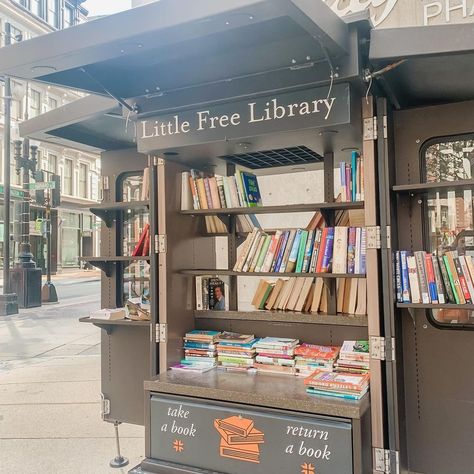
{"type": "Point", "coordinates": [56, 192]}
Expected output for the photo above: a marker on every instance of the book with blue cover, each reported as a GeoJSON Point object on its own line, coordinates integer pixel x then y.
{"type": "Point", "coordinates": [251, 189]}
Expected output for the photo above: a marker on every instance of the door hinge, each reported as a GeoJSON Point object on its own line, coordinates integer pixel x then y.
{"type": "Point", "coordinates": [374, 237]}
{"type": "Point", "coordinates": [385, 127]}
{"type": "Point", "coordinates": [386, 461]}
{"type": "Point", "coordinates": [160, 243]}
{"type": "Point", "coordinates": [370, 128]}
{"type": "Point", "coordinates": [382, 348]}
{"type": "Point", "coordinates": [161, 332]}
{"type": "Point", "coordinates": [104, 406]}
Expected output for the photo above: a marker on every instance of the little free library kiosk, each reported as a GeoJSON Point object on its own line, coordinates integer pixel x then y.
{"type": "Point", "coordinates": [287, 232]}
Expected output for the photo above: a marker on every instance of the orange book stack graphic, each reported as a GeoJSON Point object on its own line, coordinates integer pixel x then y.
{"type": "Point", "coordinates": [239, 439]}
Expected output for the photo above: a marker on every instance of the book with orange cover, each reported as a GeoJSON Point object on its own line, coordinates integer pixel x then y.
{"type": "Point", "coordinates": [255, 436]}
{"type": "Point", "coordinates": [315, 351]}
{"type": "Point", "coordinates": [237, 425]}
{"type": "Point", "coordinates": [242, 452]}
{"type": "Point", "coordinates": [338, 380]}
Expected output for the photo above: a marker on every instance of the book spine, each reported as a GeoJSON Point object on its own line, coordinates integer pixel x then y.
{"type": "Point", "coordinates": [227, 195]}
{"type": "Point", "coordinates": [240, 188]}
{"type": "Point", "coordinates": [234, 193]}
{"type": "Point", "coordinates": [420, 267]}
{"type": "Point", "coordinates": [322, 250]}
{"type": "Point", "coordinates": [291, 265]}
{"type": "Point", "coordinates": [362, 184]}
{"type": "Point", "coordinates": [452, 278]}
{"type": "Point", "coordinates": [413, 280]}
{"type": "Point", "coordinates": [405, 281]}
{"type": "Point", "coordinates": [447, 282]}
{"type": "Point", "coordinates": [398, 277]}
{"type": "Point", "coordinates": [470, 267]}
{"type": "Point", "coordinates": [462, 281]}
{"type": "Point", "coordinates": [430, 276]}
{"type": "Point", "coordinates": [207, 188]}
{"type": "Point", "coordinates": [194, 192]}
{"type": "Point", "coordinates": [457, 284]}
{"type": "Point", "coordinates": [358, 251]}
{"type": "Point", "coordinates": [301, 251]}
{"type": "Point", "coordinates": [281, 251]}
{"type": "Point", "coordinates": [205, 292]}
{"type": "Point", "coordinates": [202, 194]}
{"type": "Point", "coordinates": [348, 183]}
{"type": "Point", "coordinates": [288, 249]}
{"type": "Point", "coordinates": [439, 280]}
{"type": "Point", "coordinates": [467, 276]}
{"type": "Point", "coordinates": [251, 253]}
{"type": "Point", "coordinates": [339, 264]}
{"type": "Point", "coordinates": [353, 175]}
{"type": "Point", "coordinates": [307, 254]}
{"type": "Point", "coordinates": [263, 253]}
{"type": "Point", "coordinates": [220, 188]}
{"type": "Point", "coordinates": [199, 303]}
{"type": "Point", "coordinates": [315, 250]}
{"type": "Point", "coordinates": [342, 177]}
{"type": "Point", "coordinates": [351, 244]}
{"type": "Point", "coordinates": [267, 263]}
{"type": "Point", "coordinates": [257, 253]}
{"type": "Point", "coordinates": [326, 263]}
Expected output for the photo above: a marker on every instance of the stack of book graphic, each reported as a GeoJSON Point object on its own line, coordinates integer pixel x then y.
{"type": "Point", "coordinates": [331, 249]}
{"type": "Point", "coordinates": [200, 354]}
{"type": "Point", "coordinates": [236, 351]}
{"type": "Point", "coordinates": [337, 384]}
{"type": "Point", "coordinates": [307, 294]}
{"type": "Point", "coordinates": [352, 179]}
{"type": "Point", "coordinates": [240, 439]}
{"type": "Point", "coordinates": [434, 279]}
{"type": "Point", "coordinates": [310, 357]}
{"type": "Point", "coordinates": [354, 358]}
{"type": "Point", "coordinates": [276, 355]}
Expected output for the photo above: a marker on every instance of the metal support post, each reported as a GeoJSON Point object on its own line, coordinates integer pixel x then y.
{"type": "Point", "coordinates": [48, 292]}
{"type": "Point", "coordinates": [119, 460]}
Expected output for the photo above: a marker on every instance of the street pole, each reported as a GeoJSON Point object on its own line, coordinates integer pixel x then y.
{"type": "Point", "coordinates": [48, 292]}
{"type": "Point", "coordinates": [8, 302]}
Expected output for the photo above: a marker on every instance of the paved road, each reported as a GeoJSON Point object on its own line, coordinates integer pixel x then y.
{"type": "Point", "coordinates": [50, 391]}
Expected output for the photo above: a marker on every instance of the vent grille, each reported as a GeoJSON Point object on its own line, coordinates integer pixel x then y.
{"type": "Point", "coordinates": [298, 155]}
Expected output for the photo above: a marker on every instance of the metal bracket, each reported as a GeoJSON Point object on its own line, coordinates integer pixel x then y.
{"type": "Point", "coordinates": [161, 332]}
{"type": "Point", "coordinates": [386, 461]}
{"type": "Point", "coordinates": [104, 406]}
{"type": "Point", "coordinates": [370, 128]}
{"type": "Point", "coordinates": [382, 348]}
{"type": "Point", "coordinates": [160, 243]}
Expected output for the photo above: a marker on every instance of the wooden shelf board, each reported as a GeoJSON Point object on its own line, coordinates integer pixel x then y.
{"type": "Point", "coordinates": [291, 208]}
{"type": "Point", "coordinates": [469, 307]}
{"type": "Point", "coordinates": [269, 274]}
{"type": "Point", "coordinates": [421, 188]}
{"type": "Point", "coordinates": [286, 392]}
{"type": "Point", "coordinates": [115, 322]}
{"type": "Point", "coordinates": [286, 316]}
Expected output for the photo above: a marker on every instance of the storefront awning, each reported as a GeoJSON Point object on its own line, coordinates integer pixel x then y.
{"type": "Point", "coordinates": [183, 47]}
{"type": "Point", "coordinates": [431, 64]}
{"type": "Point", "coordinates": [92, 124]}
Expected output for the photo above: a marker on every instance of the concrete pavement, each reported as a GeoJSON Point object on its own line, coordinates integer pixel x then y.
{"type": "Point", "coordinates": [50, 391]}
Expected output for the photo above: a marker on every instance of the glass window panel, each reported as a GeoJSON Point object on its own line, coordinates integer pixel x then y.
{"type": "Point", "coordinates": [35, 103]}
{"type": "Point", "coordinates": [131, 187]}
{"type": "Point", "coordinates": [136, 282]}
{"type": "Point", "coordinates": [132, 229]}
{"type": "Point", "coordinates": [450, 227]}
{"type": "Point", "coordinates": [83, 172]}
{"type": "Point", "coordinates": [68, 177]}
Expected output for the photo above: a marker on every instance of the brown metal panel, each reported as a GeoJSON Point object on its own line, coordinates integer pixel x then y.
{"type": "Point", "coordinates": [439, 387]}
{"type": "Point", "coordinates": [373, 298]}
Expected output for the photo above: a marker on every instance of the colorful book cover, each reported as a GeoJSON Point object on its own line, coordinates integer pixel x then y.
{"type": "Point", "coordinates": [446, 281]}
{"type": "Point", "coordinates": [315, 251]}
{"type": "Point", "coordinates": [451, 279]}
{"type": "Point", "coordinates": [354, 176]}
{"type": "Point", "coordinates": [431, 279]}
{"type": "Point", "coordinates": [251, 189]}
{"type": "Point", "coordinates": [439, 280]}
{"type": "Point", "coordinates": [288, 250]}
{"type": "Point", "coordinates": [240, 188]}
{"type": "Point", "coordinates": [321, 250]}
{"type": "Point", "coordinates": [281, 251]}
{"type": "Point", "coordinates": [217, 294]}
{"type": "Point", "coordinates": [291, 265]}
{"type": "Point", "coordinates": [351, 247]}
{"type": "Point", "coordinates": [405, 278]}
{"type": "Point", "coordinates": [398, 277]}
{"type": "Point", "coordinates": [207, 188]}
{"type": "Point", "coordinates": [462, 281]}
{"type": "Point", "coordinates": [342, 177]}
{"type": "Point", "coordinates": [327, 258]}
{"type": "Point", "coordinates": [301, 251]}
{"type": "Point", "coordinates": [420, 268]}
{"type": "Point", "coordinates": [308, 251]}
{"type": "Point", "coordinates": [263, 252]}
{"type": "Point", "coordinates": [348, 183]}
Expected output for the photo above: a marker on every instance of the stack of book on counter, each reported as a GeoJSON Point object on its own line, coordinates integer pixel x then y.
{"type": "Point", "coordinates": [201, 191]}
{"type": "Point", "coordinates": [276, 355]}
{"type": "Point", "coordinates": [240, 440]}
{"type": "Point", "coordinates": [307, 294]}
{"type": "Point", "coordinates": [310, 357]}
{"type": "Point", "coordinates": [352, 178]}
{"type": "Point", "coordinates": [200, 351]}
{"type": "Point", "coordinates": [329, 250]}
{"type": "Point", "coordinates": [337, 384]}
{"type": "Point", "coordinates": [434, 279]}
{"type": "Point", "coordinates": [354, 358]}
{"type": "Point", "coordinates": [236, 351]}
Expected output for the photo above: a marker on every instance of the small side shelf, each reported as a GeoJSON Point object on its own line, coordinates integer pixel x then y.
{"type": "Point", "coordinates": [286, 317]}
{"type": "Point", "coordinates": [106, 264]}
{"type": "Point", "coordinates": [218, 272]}
{"type": "Point", "coordinates": [108, 324]}
{"type": "Point", "coordinates": [291, 208]}
{"type": "Point", "coordinates": [108, 212]}
{"type": "Point", "coordinates": [423, 188]}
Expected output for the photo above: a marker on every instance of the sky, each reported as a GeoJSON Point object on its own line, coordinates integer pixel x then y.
{"type": "Point", "coordinates": [106, 7]}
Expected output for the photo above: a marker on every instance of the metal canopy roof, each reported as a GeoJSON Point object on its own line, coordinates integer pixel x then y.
{"type": "Point", "coordinates": [438, 63]}
{"type": "Point", "coordinates": [92, 124]}
{"type": "Point", "coordinates": [174, 45]}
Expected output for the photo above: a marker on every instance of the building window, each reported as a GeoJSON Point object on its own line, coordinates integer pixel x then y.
{"type": "Point", "coordinates": [83, 172]}
{"type": "Point", "coordinates": [53, 13]}
{"type": "Point", "coordinates": [16, 105]}
{"type": "Point", "coordinates": [68, 177]}
{"type": "Point", "coordinates": [52, 163]}
{"type": "Point", "coordinates": [68, 16]}
{"type": "Point", "coordinates": [52, 103]}
{"type": "Point", "coordinates": [36, 7]}
{"type": "Point", "coordinates": [35, 103]}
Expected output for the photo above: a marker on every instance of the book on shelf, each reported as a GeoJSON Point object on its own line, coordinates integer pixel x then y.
{"type": "Point", "coordinates": [422, 277]}
{"type": "Point", "coordinates": [306, 294]}
{"type": "Point", "coordinates": [207, 191]}
{"type": "Point", "coordinates": [145, 188]}
{"type": "Point", "coordinates": [351, 177]}
{"type": "Point", "coordinates": [337, 384]}
{"type": "Point", "coordinates": [339, 250]}
{"type": "Point", "coordinates": [211, 293]}
{"type": "Point", "coordinates": [142, 248]}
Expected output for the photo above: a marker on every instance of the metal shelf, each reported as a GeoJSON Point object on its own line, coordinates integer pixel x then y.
{"type": "Point", "coordinates": [286, 317]}
{"type": "Point", "coordinates": [423, 188]}
{"type": "Point", "coordinates": [109, 212]}
{"type": "Point", "coordinates": [108, 324]}
{"type": "Point", "coordinates": [331, 206]}
{"type": "Point", "coordinates": [469, 307]}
